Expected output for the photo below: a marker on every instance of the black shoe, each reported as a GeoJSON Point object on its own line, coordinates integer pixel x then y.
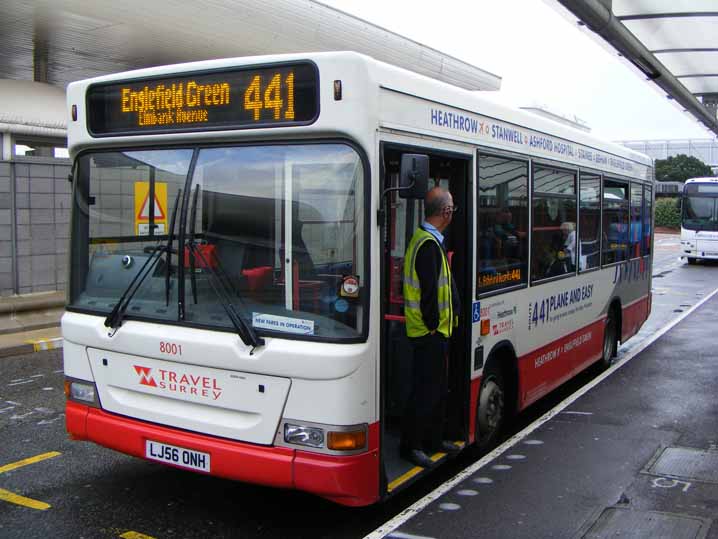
{"type": "Point", "coordinates": [449, 447]}
{"type": "Point", "coordinates": [418, 457]}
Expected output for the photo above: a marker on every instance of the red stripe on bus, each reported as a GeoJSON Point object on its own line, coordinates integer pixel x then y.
{"type": "Point", "coordinates": [547, 367]}
{"type": "Point", "coordinates": [350, 480]}
{"type": "Point", "coordinates": [633, 317]}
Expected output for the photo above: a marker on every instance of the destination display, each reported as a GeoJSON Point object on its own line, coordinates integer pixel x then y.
{"type": "Point", "coordinates": [242, 98]}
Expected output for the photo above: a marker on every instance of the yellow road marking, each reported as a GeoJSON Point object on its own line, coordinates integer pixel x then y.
{"type": "Point", "coordinates": [25, 462]}
{"type": "Point", "coordinates": [8, 496]}
{"type": "Point", "coordinates": [135, 535]}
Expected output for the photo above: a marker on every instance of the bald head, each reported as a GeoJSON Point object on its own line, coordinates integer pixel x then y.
{"type": "Point", "coordinates": [439, 208]}
{"type": "Point", "coordinates": [435, 201]}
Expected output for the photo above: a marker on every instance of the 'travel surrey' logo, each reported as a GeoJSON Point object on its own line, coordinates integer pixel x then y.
{"type": "Point", "coordinates": [187, 384]}
{"type": "Point", "coordinates": [145, 376]}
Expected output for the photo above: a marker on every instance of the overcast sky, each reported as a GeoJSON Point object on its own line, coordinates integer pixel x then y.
{"type": "Point", "coordinates": [542, 57]}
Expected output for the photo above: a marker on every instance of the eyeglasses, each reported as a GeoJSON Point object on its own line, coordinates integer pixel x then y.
{"type": "Point", "coordinates": [453, 209]}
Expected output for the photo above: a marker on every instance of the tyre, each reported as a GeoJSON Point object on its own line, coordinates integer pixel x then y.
{"type": "Point", "coordinates": [692, 260]}
{"type": "Point", "coordinates": [491, 413]}
{"type": "Point", "coordinates": [610, 340]}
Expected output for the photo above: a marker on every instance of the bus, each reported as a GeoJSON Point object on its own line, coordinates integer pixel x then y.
{"type": "Point", "coordinates": [237, 238]}
{"type": "Point", "coordinates": [699, 219]}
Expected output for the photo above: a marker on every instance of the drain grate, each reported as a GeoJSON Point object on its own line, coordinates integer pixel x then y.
{"type": "Point", "coordinates": [617, 522]}
{"type": "Point", "coordinates": [685, 463]}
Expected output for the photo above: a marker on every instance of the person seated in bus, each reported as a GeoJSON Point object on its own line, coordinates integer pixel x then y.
{"type": "Point", "coordinates": [431, 307]}
{"type": "Point", "coordinates": [568, 229]}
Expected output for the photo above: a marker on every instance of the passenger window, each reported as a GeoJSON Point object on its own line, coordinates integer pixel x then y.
{"type": "Point", "coordinates": [634, 237]}
{"type": "Point", "coordinates": [553, 242]}
{"type": "Point", "coordinates": [615, 221]}
{"type": "Point", "coordinates": [589, 197]}
{"type": "Point", "coordinates": [647, 219]}
{"type": "Point", "coordinates": [502, 235]}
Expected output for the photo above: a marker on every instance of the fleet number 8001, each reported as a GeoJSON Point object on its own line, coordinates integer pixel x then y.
{"type": "Point", "coordinates": [170, 348]}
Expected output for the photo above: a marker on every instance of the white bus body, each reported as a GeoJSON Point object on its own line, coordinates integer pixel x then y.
{"type": "Point", "coordinates": [174, 383]}
{"type": "Point", "coordinates": [699, 219]}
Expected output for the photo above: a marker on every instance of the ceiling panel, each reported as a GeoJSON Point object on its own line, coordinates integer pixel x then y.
{"type": "Point", "coordinates": [90, 38]}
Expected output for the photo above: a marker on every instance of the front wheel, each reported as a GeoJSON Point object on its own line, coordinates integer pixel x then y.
{"type": "Point", "coordinates": [491, 409]}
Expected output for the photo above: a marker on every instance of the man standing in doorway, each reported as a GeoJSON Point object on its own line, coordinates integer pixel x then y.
{"type": "Point", "coordinates": [431, 307]}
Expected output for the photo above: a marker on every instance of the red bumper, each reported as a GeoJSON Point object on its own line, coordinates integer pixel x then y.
{"type": "Point", "coordinates": [351, 480]}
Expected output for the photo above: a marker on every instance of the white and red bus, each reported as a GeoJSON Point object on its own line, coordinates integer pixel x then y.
{"type": "Point", "coordinates": [238, 232]}
{"type": "Point", "coordinates": [699, 219]}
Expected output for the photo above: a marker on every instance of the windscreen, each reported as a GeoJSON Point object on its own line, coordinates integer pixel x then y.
{"type": "Point", "coordinates": [276, 231]}
{"type": "Point", "coordinates": [699, 213]}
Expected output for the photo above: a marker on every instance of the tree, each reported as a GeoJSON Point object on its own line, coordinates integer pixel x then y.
{"type": "Point", "coordinates": [681, 167]}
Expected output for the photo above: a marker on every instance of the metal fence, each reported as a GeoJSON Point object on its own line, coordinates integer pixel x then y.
{"type": "Point", "coordinates": [704, 149]}
{"type": "Point", "coordinates": [34, 225]}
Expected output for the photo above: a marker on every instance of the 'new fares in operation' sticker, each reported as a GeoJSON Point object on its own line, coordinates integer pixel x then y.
{"type": "Point", "coordinates": [283, 323]}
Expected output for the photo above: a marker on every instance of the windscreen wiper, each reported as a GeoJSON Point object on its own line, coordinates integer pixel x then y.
{"type": "Point", "coordinates": [244, 330]}
{"type": "Point", "coordinates": [218, 281]}
{"type": "Point", "coordinates": [114, 319]}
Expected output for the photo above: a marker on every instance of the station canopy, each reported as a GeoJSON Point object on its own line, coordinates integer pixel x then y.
{"type": "Point", "coordinates": [59, 41]}
{"type": "Point", "coordinates": [674, 43]}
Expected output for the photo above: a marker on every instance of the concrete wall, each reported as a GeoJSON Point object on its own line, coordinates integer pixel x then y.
{"type": "Point", "coordinates": [34, 225]}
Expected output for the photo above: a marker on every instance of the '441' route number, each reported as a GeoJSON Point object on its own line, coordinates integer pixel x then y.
{"type": "Point", "coordinates": [271, 97]}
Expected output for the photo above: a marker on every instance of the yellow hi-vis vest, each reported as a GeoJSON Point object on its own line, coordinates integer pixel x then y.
{"type": "Point", "coordinates": [415, 326]}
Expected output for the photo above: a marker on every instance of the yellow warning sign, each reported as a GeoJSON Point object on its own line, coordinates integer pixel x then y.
{"type": "Point", "coordinates": [142, 208]}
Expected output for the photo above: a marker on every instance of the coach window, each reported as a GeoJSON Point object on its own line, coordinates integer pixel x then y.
{"type": "Point", "coordinates": [589, 197]}
{"type": "Point", "coordinates": [647, 219]}
{"type": "Point", "coordinates": [553, 243]}
{"type": "Point", "coordinates": [615, 221]}
{"type": "Point", "coordinates": [503, 223]}
{"type": "Point", "coordinates": [636, 224]}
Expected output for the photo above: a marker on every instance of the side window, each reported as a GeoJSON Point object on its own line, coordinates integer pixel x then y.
{"type": "Point", "coordinates": [589, 197]}
{"type": "Point", "coordinates": [636, 226]}
{"type": "Point", "coordinates": [553, 236]}
{"type": "Point", "coordinates": [615, 221]}
{"type": "Point", "coordinates": [647, 219]}
{"type": "Point", "coordinates": [502, 235]}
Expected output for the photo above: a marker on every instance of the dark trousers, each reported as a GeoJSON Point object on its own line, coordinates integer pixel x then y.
{"type": "Point", "coordinates": [425, 412]}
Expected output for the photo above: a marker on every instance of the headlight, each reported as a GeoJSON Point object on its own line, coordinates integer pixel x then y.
{"type": "Point", "coordinates": [302, 435]}
{"type": "Point", "coordinates": [81, 391]}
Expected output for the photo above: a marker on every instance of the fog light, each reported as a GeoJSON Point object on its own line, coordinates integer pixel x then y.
{"type": "Point", "coordinates": [298, 434]}
{"type": "Point", "coordinates": [82, 392]}
{"type": "Point", "coordinates": [346, 441]}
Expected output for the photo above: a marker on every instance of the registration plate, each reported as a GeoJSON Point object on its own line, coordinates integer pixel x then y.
{"type": "Point", "coordinates": [179, 456]}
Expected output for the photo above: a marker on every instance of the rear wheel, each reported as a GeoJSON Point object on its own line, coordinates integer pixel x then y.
{"type": "Point", "coordinates": [491, 409]}
{"type": "Point", "coordinates": [692, 260]}
{"type": "Point", "coordinates": [610, 340]}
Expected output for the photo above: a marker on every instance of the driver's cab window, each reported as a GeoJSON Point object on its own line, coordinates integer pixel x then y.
{"type": "Point", "coordinates": [553, 247]}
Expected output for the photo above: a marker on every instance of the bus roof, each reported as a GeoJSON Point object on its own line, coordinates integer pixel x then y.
{"type": "Point", "coordinates": [386, 77]}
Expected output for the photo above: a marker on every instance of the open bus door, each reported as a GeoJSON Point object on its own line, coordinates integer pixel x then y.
{"type": "Point", "coordinates": [401, 218]}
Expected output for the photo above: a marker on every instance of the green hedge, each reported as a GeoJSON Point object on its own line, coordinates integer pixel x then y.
{"type": "Point", "coordinates": [668, 212]}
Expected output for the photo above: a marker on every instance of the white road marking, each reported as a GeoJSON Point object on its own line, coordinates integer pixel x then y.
{"type": "Point", "coordinates": [401, 535]}
{"type": "Point", "coordinates": [483, 480]}
{"type": "Point", "coordinates": [567, 412]}
{"type": "Point", "coordinates": [37, 376]}
{"type": "Point", "coordinates": [422, 503]}
{"type": "Point", "coordinates": [21, 383]}
{"type": "Point", "coordinates": [449, 506]}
